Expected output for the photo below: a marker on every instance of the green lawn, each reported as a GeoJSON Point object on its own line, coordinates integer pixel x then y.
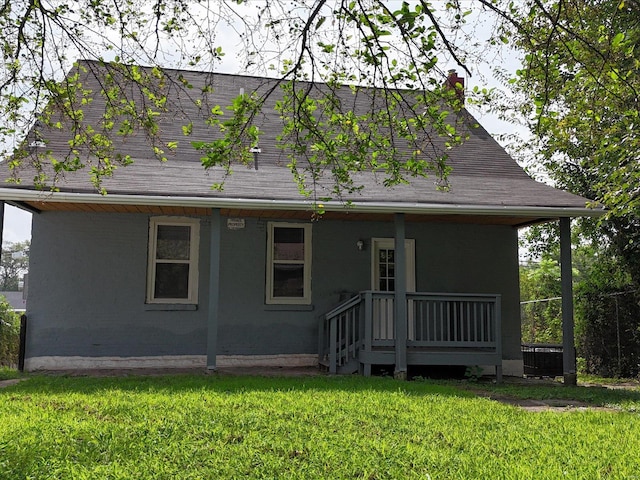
{"type": "Point", "coordinates": [210, 427]}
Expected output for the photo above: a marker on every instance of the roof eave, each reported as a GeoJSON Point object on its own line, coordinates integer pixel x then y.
{"type": "Point", "coordinates": [19, 195]}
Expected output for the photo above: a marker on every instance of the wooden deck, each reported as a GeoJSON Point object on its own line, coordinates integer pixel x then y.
{"type": "Point", "coordinates": [441, 329]}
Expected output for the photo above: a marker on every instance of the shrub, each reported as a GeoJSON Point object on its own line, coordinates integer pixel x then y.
{"type": "Point", "coordinates": [541, 311]}
{"type": "Point", "coordinates": [608, 327]}
{"type": "Point", "coordinates": [9, 334]}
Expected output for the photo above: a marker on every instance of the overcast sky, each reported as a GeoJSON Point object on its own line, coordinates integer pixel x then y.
{"type": "Point", "coordinates": [17, 225]}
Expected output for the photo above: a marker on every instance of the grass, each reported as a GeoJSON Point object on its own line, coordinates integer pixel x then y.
{"type": "Point", "coordinates": [196, 427]}
{"type": "Point", "coordinates": [7, 373]}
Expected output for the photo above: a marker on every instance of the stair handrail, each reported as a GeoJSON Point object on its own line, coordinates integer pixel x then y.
{"type": "Point", "coordinates": [343, 307]}
{"type": "Point", "coordinates": [329, 331]}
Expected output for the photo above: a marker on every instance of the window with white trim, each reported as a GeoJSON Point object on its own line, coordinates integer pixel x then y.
{"type": "Point", "coordinates": [288, 263]}
{"type": "Point", "coordinates": [173, 260]}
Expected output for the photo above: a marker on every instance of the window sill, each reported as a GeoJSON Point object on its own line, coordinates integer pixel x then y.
{"type": "Point", "coordinates": [288, 307]}
{"type": "Point", "coordinates": [171, 307]}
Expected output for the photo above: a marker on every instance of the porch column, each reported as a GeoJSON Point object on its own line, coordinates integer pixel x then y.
{"type": "Point", "coordinates": [214, 288]}
{"type": "Point", "coordinates": [400, 299]}
{"type": "Point", "coordinates": [568, 346]}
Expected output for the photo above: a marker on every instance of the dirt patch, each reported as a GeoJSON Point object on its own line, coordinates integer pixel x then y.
{"type": "Point", "coordinates": [614, 386]}
{"type": "Point", "coordinates": [533, 405]}
{"type": "Point", "coordinates": [8, 383]}
{"type": "Point", "coordinates": [549, 404]}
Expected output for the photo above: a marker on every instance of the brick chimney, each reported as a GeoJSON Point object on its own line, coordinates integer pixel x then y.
{"type": "Point", "coordinates": [455, 82]}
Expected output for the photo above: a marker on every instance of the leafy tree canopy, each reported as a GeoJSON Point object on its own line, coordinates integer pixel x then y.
{"type": "Point", "coordinates": [391, 45]}
{"type": "Point", "coordinates": [581, 72]}
{"type": "Point", "coordinates": [578, 84]}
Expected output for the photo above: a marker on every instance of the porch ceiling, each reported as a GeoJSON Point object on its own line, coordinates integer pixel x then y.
{"type": "Point", "coordinates": [280, 214]}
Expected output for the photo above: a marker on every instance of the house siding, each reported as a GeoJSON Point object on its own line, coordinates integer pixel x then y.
{"type": "Point", "coordinates": [88, 289]}
{"type": "Point", "coordinates": [88, 277]}
{"type": "Point", "coordinates": [460, 258]}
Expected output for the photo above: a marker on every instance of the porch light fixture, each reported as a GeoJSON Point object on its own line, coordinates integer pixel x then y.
{"type": "Point", "coordinates": [360, 245]}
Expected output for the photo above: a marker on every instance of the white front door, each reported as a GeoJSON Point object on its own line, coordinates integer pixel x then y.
{"type": "Point", "coordinates": [383, 279]}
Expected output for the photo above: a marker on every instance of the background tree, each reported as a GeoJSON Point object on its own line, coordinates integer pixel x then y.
{"type": "Point", "coordinates": [581, 75]}
{"type": "Point", "coordinates": [15, 263]}
{"type": "Point", "coordinates": [541, 312]}
{"type": "Point", "coordinates": [579, 88]}
{"type": "Point", "coordinates": [608, 329]}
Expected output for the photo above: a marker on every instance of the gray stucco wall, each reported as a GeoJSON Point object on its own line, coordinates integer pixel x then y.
{"type": "Point", "coordinates": [87, 292]}
{"type": "Point", "coordinates": [88, 279]}
{"type": "Point", "coordinates": [472, 259]}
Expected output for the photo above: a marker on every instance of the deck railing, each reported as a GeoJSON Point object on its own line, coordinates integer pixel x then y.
{"type": "Point", "coordinates": [436, 322]}
{"type": "Point", "coordinates": [453, 320]}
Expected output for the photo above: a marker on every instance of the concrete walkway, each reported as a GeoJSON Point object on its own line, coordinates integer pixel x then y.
{"type": "Point", "coordinates": [12, 381]}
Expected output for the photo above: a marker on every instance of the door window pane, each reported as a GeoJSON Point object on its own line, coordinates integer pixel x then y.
{"type": "Point", "coordinates": [386, 270]}
{"type": "Point", "coordinates": [382, 270]}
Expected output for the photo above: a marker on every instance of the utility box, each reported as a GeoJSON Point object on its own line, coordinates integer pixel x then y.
{"type": "Point", "coordinates": [542, 359]}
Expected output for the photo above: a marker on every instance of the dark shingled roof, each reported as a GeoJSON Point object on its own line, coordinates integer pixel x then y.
{"type": "Point", "coordinates": [483, 177]}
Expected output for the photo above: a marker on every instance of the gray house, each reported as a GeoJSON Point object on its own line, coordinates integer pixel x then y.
{"type": "Point", "coordinates": [163, 271]}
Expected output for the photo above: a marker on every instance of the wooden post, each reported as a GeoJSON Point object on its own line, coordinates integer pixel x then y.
{"type": "Point", "coordinates": [568, 346]}
{"type": "Point", "coordinates": [214, 288]}
{"type": "Point", "coordinates": [368, 324]}
{"type": "Point", "coordinates": [333, 345]}
{"type": "Point", "coordinates": [498, 329]}
{"type": "Point", "coordinates": [400, 320]}
{"type": "Point", "coordinates": [322, 339]}
{"type": "Point", "coordinates": [23, 342]}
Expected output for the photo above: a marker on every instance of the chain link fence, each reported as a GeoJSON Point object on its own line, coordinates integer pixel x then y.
{"type": "Point", "coordinates": [541, 320]}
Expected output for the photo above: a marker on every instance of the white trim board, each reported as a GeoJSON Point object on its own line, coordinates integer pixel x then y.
{"type": "Point", "coordinates": [167, 361]}
{"type": "Point", "coordinates": [58, 363]}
